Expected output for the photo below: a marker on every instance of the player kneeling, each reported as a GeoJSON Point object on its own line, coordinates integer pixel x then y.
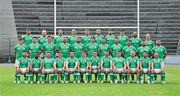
{"type": "Point", "coordinates": [158, 68]}
{"type": "Point", "coordinates": [59, 68]}
{"type": "Point", "coordinates": [106, 68]}
{"type": "Point", "coordinates": [47, 68]}
{"type": "Point", "coordinates": [22, 68]}
{"type": "Point", "coordinates": [85, 68]}
{"type": "Point", "coordinates": [133, 67]}
{"type": "Point", "coordinates": [119, 67]}
{"type": "Point", "coordinates": [71, 67]}
{"type": "Point", "coordinates": [145, 66]}
{"type": "Point", "coordinates": [35, 68]}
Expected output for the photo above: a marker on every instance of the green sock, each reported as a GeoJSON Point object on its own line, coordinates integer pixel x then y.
{"type": "Point", "coordinates": [106, 77]}
{"type": "Point", "coordinates": [155, 77]}
{"type": "Point", "coordinates": [38, 77]}
{"type": "Point", "coordinates": [18, 76]}
{"type": "Point", "coordinates": [87, 76]}
{"type": "Point", "coordinates": [111, 76]}
{"type": "Point", "coordinates": [149, 76]}
{"type": "Point", "coordinates": [99, 76]}
{"type": "Point", "coordinates": [31, 77]}
{"type": "Point", "coordinates": [26, 77]}
{"type": "Point", "coordinates": [55, 77]}
{"type": "Point", "coordinates": [43, 77]}
{"type": "Point", "coordinates": [62, 76]}
{"type": "Point", "coordinates": [132, 76]}
{"type": "Point", "coordinates": [51, 77]}
{"type": "Point", "coordinates": [152, 77]}
{"type": "Point", "coordinates": [90, 77]}
{"type": "Point", "coordinates": [115, 76]}
{"type": "Point", "coordinates": [102, 76]}
{"type": "Point", "coordinates": [141, 76]}
{"type": "Point", "coordinates": [123, 76]}
{"type": "Point", "coordinates": [163, 76]}
{"type": "Point", "coordinates": [67, 76]}
{"type": "Point", "coordinates": [78, 76]}
{"type": "Point", "coordinates": [75, 76]}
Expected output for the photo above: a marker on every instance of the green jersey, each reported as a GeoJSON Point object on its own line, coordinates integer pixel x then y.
{"type": "Point", "coordinates": [58, 40]}
{"type": "Point", "coordinates": [103, 49]}
{"type": "Point", "coordinates": [136, 42]}
{"type": "Point", "coordinates": [132, 61]}
{"type": "Point", "coordinates": [65, 49]}
{"type": "Point", "coordinates": [86, 40]}
{"type": "Point", "coordinates": [106, 61]}
{"type": "Point", "coordinates": [150, 43]}
{"type": "Point", "coordinates": [23, 62]}
{"type": "Point", "coordinates": [34, 48]}
{"type": "Point", "coordinates": [36, 63]}
{"type": "Point", "coordinates": [161, 50]}
{"type": "Point", "coordinates": [110, 39]}
{"type": "Point", "coordinates": [60, 62]}
{"type": "Point", "coordinates": [142, 49]}
{"type": "Point", "coordinates": [127, 50]}
{"type": "Point", "coordinates": [115, 48]}
{"type": "Point", "coordinates": [98, 38]}
{"type": "Point", "coordinates": [77, 48]}
{"type": "Point", "coordinates": [19, 49]}
{"type": "Point", "coordinates": [119, 62]}
{"type": "Point", "coordinates": [48, 63]}
{"type": "Point", "coordinates": [72, 62]}
{"type": "Point", "coordinates": [83, 62]}
{"type": "Point", "coordinates": [145, 62]}
{"type": "Point", "coordinates": [94, 61]}
{"type": "Point", "coordinates": [72, 39]}
{"type": "Point", "coordinates": [91, 47]}
{"type": "Point", "coordinates": [49, 47]}
{"type": "Point", "coordinates": [27, 39]}
{"type": "Point", "coordinates": [123, 40]}
{"type": "Point", "coordinates": [157, 63]}
{"type": "Point", "coordinates": [42, 40]}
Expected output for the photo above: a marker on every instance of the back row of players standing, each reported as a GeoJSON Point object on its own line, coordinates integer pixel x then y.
{"type": "Point", "coordinates": [89, 44]}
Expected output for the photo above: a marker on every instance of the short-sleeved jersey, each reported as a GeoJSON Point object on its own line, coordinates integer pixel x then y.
{"type": "Point", "coordinates": [58, 40]}
{"type": "Point", "coordinates": [49, 47]}
{"type": "Point", "coordinates": [60, 62]}
{"type": "Point", "coordinates": [86, 40]}
{"type": "Point", "coordinates": [119, 62]}
{"type": "Point", "coordinates": [27, 39]}
{"type": "Point", "coordinates": [65, 49]}
{"type": "Point", "coordinates": [98, 38]}
{"type": "Point", "coordinates": [115, 48]}
{"type": "Point", "coordinates": [72, 39]}
{"type": "Point", "coordinates": [36, 63]}
{"type": "Point", "coordinates": [136, 42]}
{"type": "Point", "coordinates": [94, 61]}
{"type": "Point", "coordinates": [150, 43]}
{"type": "Point", "coordinates": [42, 40]}
{"type": "Point", "coordinates": [83, 62]}
{"type": "Point", "coordinates": [19, 49]}
{"type": "Point", "coordinates": [157, 63]}
{"type": "Point", "coordinates": [78, 48]}
{"type": "Point", "coordinates": [106, 61]}
{"type": "Point", "coordinates": [103, 49]}
{"type": "Point", "coordinates": [123, 40]}
{"type": "Point", "coordinates": [132, 61]}
{"type": "Point", "coordinates": [91, 47]}
{"type": "Point", "coordinates": [127, 50]}
{"type": "Point", "coordinates": [48, 63]}
{"type": "Point", "coordinates": [161, 50]}
{"type": "Point", "coordinates": [145, 62]}
{"type": "Point", "coordinates": [23, 62]}
{"type": "Point", "coordinates": [71, 62]}
{"type": "Point", "coordinates": [34, 48]}
{"type": "Point", "coordinates": [142, 49]}
{"type": "Point", "coordinates": [110, 39]}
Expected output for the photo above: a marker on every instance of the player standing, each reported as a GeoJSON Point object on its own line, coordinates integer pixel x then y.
{"type": "Point", "coordinates": [64, 48]}
{"type": "Point", "coordinates": [122, 38]}
{"type": "Point", "coordinates": [27, 38]}
{"type": "Point", "coordinates": [116, 47]}
{"type": "Point", "coordinates": [135, 40]}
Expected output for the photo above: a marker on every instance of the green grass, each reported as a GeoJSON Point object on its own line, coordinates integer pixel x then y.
{"type": "Point", "coordinates": [171, 88]}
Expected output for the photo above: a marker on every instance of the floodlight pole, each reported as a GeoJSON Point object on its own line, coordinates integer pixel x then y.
{"type": "Point", "coordinates": [54, 17]}
{"type": "Point", "coordinates": [138, 18]}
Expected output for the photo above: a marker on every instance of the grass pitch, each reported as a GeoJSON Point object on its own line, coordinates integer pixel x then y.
{"type": "Point", "coordinates": [171, 88]}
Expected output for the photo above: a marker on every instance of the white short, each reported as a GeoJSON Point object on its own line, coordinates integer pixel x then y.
{"type": "Point", "coordinates": [71, 70]}
{"type": "Point", "coordinates": [83, 70]}
{"type": "Point", "coordinates": [120, 70]}
{"type": "Point", "coordinates": [157, 70]}
{"type": "Point", "coordinates": [94, 69]}
{"type": "Point", "coordinates": [106, 70]}
{"type": "Point", "coordinates": [47, 70]}
{"type": "Point", "coordinates": [36, 69]}
{"type": "Point", "coordinates": [60, 69]}
{"type": "Point", "coordinates": [145, 70]}
{"type": "Point", "coordinates": [23, 70]}
{"type": "Point", "coordinates": [133, 70]}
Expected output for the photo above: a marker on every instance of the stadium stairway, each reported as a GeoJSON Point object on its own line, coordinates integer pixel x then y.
{"type": "Point", "coordinates": [160, 18]}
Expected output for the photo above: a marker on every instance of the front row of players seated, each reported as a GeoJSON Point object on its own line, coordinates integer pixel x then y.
{"type": "Point", "coordinates": [83, 69]}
